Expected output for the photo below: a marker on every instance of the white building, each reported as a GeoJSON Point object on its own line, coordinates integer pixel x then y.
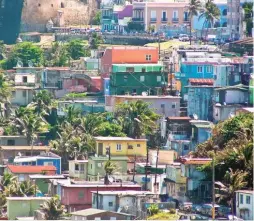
{"type": "Point", "coordinates": [244, 204]}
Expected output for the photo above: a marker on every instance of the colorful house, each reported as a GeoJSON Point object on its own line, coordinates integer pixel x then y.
{"type": "Point", "coordinates": [200, 92]}
{"type": "Point", "coordinates": [78, 169]}
{"type": "Point", "coordinates": [162, 105]}
{"type": "Point", "coordinates": [196, 184]}
{"type": "Point", "coordinates": [44, 159]}
{"type": "Point", "coordinates": [137, 79]}
{"type": "Point", "coordinates": [23, 206]}
{"type": "Point", "coordinates": [175, 183]}
{"type": "Point", "coordinates": [23, 172]}
{"type": "Point", "coordinates": [244, 204]}
{"type": "Point", "coordinates": [115, 17]}
{"type": "Point", "coordinates": [78, 195]}
{"type": "Point", "coordinates": [96, 166]}
{"type": "Point", "coordinates": [127, 55]}
{"type": "Point", "coordinates": [120, 146]}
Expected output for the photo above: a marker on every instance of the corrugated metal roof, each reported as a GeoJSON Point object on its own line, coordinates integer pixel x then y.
{"type": "Point", "coordinates": [202, 81]}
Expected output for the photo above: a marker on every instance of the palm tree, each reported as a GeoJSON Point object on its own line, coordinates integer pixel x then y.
{"type": "Point", "coordinates": [52, 209]}
{"type": "Point", "coordinates": [32, 125]}
{"type": "Point", "coordinates": [5, 92]}
{"type": "Point", "coordinates": [210, 14]}
{"type": "Point", "coordinates": [193, 9]}
{"type": "Point", "coordinates": [136, 118]}
{"type": "Point", "coordinates": [233, 181]}
{"type": "Point", "coordinates": [6, 180]}
{"type": "Point", "coordinates": [109, 169]}
{"type": "Point", "coordinates": [42, 101]}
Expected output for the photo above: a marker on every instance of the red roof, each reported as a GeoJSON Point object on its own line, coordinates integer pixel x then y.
{"type": "Point", "coordinates": [49, 170]}
{"type": "Point", "coordinates": [195, 161]}
{"type": "Point", "coordinates": [201, 81]}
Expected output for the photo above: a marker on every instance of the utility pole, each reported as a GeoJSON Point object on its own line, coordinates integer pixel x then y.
{"type": "Point", "coordinates": [134, 169]}
{"type": "Point", "coordinates": [97, 197]}
{"type": "Point", "coordinates": [155, 180]}
{"type": "Point", "coordinates": [159, 42]}
{"type": "Point", "coordinates": [146, 168]}
{"type": "Point", "coordinates": [213, 209]}
{"type": "Point", "coordinates": [171, 78]}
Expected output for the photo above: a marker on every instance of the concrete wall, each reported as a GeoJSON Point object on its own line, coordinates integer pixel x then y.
{"type": "Point", "coordinates": [241, 207]}
{"type": "Point", "coordinates": [18, 140]}
{"type": "Point", "coordinates": [22, 97]}
{"type": "Point", "coordinates": [20, 206]}
{"type": "Point", "coordinates": [19, 79]}
{"type": "Point", "coordinates": [102, 216]}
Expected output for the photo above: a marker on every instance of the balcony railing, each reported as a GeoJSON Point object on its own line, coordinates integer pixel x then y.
{"type": "Point", "coordinates": [175, 20]}
{"type": "Point", "coordinates": [106, 17]}
{"type": "Point", "coordinates": [153, 19]}
{"type": "Point", "coordinates": [164, 19]}
{"type": "Point", "coordinates": [137, 19]}
{"type": "Point", "coordinates": [186, 20]}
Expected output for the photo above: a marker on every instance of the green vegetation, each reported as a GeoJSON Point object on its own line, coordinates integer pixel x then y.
{"type": "Point", "coordinates": [52, 209]}
{"type": "Point", "coordinates": [248, 17]}
{"type": "Point", "coordinates": [109, 169]}
{"type": "Point", "coordinates": [97, 18]}
{"type": "Point", "coordinates": [193, 10]}
{"type": "Point", "coordinates": [75, 95]}
{"type": "Point", "coordinates": [76, 49]}
{"type": "Point", "coordinates": [153, 209]}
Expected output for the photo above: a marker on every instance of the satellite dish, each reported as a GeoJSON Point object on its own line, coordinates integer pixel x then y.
{"type": "Point", "coordinates": [195, 116]}
{"type": "Point", "coordinates": [144, 93]}
{"type": "Point", "coordinates": [224, 103]}
{"type": "Point", "coordinates": [30, 64]}
{"type": "Point", "coordinates": [19, 63]}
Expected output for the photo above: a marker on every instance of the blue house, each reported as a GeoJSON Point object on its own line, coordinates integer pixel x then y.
{"type": "Point", "coordinates": [200, 92]}
{"type": "Point", "coordinates": [44, 159]}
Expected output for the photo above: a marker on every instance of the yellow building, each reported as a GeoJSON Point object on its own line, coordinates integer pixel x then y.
{"type": "Point", "coordinates": [120, 146]}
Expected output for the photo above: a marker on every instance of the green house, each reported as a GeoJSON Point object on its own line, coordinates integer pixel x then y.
{"type": "Point", "coordinates": [96, 166]}
{"type": "Point", "coordinates": [141, 169]}
{"type": "Point", "coordinates": [23, 206]}
{"type": "Point", "coordinates": [138, 79]}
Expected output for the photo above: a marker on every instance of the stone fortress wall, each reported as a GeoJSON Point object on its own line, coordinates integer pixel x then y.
{"type": "Point", "coordinates": [36, 13]}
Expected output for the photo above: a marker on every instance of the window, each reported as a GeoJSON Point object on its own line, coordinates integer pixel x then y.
{"type": "Point", "coordinates": [247, 199]}
{"type": "Point", "coordinates": [24, 79]}
{"type": "Point", "coordinates": [21, 177]}
{"type": "Point", "coordinates": [241, 199]}
{"type": "Point", "coordinates": [110, 204]}
{"type": "Point", "coordinates": [125, 78]}
{"type": "Point", "coordinates": [62, 5]}
{"type": "Point", "coordinates": [118, 147]}
{"type": "Point", "coordinates": [99, 164]}
{"type": "Point", "coordinates": [175, 14]}
{"type": "Point", "coordinates": [112, 218]}
{"type": "Point", "coordinates": [10, 142]}
{"type": "Point", "coordinates": [81, 195]}
{"type": "Point", "coordinates": [91, 166]}
{"type": "Point", "coordinates": [13, 93]}
{"type": "Point", "coordinates": [138, 145]}
{"type": "Point", "coordinates": [48, 163]}
{"type": "Point", "coordinates": [130, 69]}
{"type": "Point", "coordinates": [162, 105]}
{"type": "Point", "coordinates": [76, 167]}
{"type": "Point", "coordinates": [142, 78]}
{"type": "Point", "coordinates": [164, 15]}
{"type": "Point", "coordinates": [130, 147]}
{"type": "Point", "coordinates": [24, 93]}
{"type": "Point", "coordinates": [200, 69]}
{"type": "Point", "coordinates": [174, 105]}
{"type": "Point", "coordinates": [186, 147]}
{"type": "Point", "coordinates": [143, 70]}
{"type": "Point", "coordinates": [148, 57]}
{"type": "Point", "coordinates": [158, 78]}
{"type": "Point", "coordinates": [153, 14]}
{"type": "Point", "coordinates": [209, 69]}
{"type": "Point", "coordinates": [39, 5]}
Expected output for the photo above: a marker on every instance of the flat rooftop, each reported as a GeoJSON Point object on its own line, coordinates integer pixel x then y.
{"type": "Point", "coordinates": [118, 139]}
{"type": "Point", "coordinates": [145, 97]}
{"type": "Point", "coordinates": [129, 192]}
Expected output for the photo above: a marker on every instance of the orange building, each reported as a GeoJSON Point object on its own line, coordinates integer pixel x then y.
{"type": "Point", "coordinates": [128, 55]}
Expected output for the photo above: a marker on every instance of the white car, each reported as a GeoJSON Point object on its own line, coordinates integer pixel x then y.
{"type": "Point", "coordinates": [183, 37]}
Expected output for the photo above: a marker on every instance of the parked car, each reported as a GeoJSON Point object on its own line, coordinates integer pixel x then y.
{"type": "Point", "coordinates": [188, 217]}
{"type": "Point", "coordinates": [185, 206]}
{"type": "Point", "coordinates": [207, 209]}
{"type": "Point", "coordinates": [183, 37]}
{"type": "Point", "coordinates": [196, 208]}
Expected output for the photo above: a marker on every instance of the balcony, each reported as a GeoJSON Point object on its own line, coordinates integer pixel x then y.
{"type": "Point", "coordinates": [138, 19]}
{"type": "Point", "coordinates": [107, 17]}
{"type": "Point", "coordinates": [186, 20]}
{"type": "Point", "coordinates": [153, 20]}
{"type": "Point", "coordinates": [175, 20]}
{"type": "Point", "coordinates": [164, 20]}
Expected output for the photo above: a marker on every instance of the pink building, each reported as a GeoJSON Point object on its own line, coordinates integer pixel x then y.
{"type": "Point", "coordinates": [78, 196]}
{"type": "Point", "coordinates": [161, 13]}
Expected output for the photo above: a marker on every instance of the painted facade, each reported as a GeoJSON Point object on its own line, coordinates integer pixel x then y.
{"type": "Point", "coordinates": [137, 79]}
{"type": "Point", "coordinates": [23, 206]}
{"type": "Point", "coordinates": [175, 182]}
{"type": "Point", "coordinates": [120, 146]}
{"type": "Point", "coordinates": [96, 170]}
{"type": "Point", "coordinates": [78, 169]}
{"type": "Point", "coordinates": [44, 159]}
{"type": "Point", "coordinates": [127, 55]}
{"type": "Point", "coordinates": [162, 105]}
{"type": "Point", "coordinates": [244, 204]}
